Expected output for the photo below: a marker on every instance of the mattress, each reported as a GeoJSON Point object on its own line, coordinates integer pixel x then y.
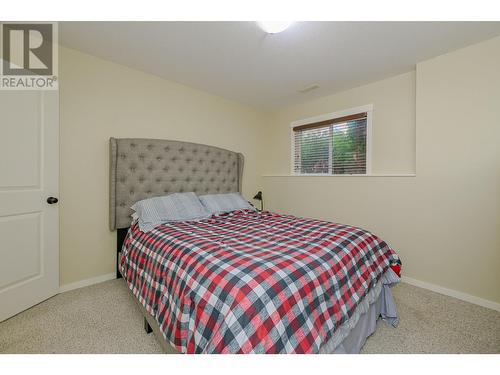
{"type": "Point", "coordinates": [255, 282]}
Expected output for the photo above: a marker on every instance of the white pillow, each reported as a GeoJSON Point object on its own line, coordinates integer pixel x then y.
{"type": "Point", "coordinates": [174, 207]}
{"type": "Point", "coordinates": [220, 203]}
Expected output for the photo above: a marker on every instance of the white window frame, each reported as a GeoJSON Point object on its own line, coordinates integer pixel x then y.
{"type": "Point", "coordinates": [328, 116]}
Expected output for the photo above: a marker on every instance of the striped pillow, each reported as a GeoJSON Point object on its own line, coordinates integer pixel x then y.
{"type": "Point", "coordinates": [174, 207]}
{"type": "Point", "coordinates": [220, 203]}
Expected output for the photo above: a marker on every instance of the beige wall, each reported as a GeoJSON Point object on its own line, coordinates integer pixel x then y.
{"type": "Point", "coordinates": [393, 138]}
{"type": "Point", "coordinates": [100, 99]}
{"type": "Point", "coordinates": [445, 222]}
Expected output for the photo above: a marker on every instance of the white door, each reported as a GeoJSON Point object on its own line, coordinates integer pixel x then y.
{"type": "Point", "coordinates": [29, 174]}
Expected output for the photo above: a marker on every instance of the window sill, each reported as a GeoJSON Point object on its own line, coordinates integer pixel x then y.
{"type": "Point", "coordinates": [343, 175]}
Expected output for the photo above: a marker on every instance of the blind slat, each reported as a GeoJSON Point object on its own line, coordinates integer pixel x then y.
{"type": "Point", "coordinates": [336, 146]}
{"type": "Point", "coordinates": [327, 123]}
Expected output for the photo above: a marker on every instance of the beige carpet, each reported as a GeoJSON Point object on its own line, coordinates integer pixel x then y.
{"type": "Point", "coordinates": [103, 318]}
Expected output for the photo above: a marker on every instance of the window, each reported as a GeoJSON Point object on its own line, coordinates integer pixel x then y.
{"type": "Point", "coordinates": [335, 145]}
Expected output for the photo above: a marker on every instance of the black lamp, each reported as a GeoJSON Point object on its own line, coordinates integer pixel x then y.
{"type": "Point", "coordinates": [258, 197]}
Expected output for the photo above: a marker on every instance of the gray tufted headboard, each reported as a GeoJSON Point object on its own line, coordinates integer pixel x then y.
{"type": "Point", "coordinates": [143, 168]}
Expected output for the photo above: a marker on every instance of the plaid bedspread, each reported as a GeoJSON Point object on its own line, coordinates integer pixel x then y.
{"type": "Point", "coordinates": [252, 282]}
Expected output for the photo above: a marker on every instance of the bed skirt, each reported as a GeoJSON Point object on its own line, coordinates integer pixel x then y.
{"type": "Point", "coordinates": [350, 337]}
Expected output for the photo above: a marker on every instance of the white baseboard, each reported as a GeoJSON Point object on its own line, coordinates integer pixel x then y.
{"type": "Point", "coordinates": [452, 293]}
{"type": "Point", "coordinates": [87, 282]}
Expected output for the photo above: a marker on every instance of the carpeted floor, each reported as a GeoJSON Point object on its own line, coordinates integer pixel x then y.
{"type": "Point", "coordinates": [104, 318]}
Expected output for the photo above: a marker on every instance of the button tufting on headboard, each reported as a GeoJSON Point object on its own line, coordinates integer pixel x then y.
{"type": "Point", "coordinates": [144, 168]}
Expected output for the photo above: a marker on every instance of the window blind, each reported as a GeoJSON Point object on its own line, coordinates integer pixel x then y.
{"type": "Point", "coordinates": [336, 146]}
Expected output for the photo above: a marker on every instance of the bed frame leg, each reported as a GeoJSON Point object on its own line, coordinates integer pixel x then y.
{"type": "Point", "coordinates": [147, 327]}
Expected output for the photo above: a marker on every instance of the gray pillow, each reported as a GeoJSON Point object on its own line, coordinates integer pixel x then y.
{"type": "Point", "coordinates": [173, 207]}
{"type": "Point", "coordinates": [220, 203]}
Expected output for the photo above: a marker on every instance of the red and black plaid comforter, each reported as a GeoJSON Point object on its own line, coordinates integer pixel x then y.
{"type": "Point", "coordinates": [252, 282]}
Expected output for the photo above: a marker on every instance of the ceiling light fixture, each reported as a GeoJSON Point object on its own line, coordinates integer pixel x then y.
{"type": "Point", "coordinates": [274, 27]}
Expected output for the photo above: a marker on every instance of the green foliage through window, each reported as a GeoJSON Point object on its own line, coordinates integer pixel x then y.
{"type": "Point", "coordinates": [338, 148]}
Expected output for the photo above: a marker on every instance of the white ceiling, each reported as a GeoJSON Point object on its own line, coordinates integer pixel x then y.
{"type": "Point", "coordinates": [237, 60]}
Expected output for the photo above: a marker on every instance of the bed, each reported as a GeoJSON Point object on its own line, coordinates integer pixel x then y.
{"type": "Point", "coordinates": [247, 281]}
